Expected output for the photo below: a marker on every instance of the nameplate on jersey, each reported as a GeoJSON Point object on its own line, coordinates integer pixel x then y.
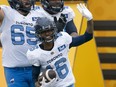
{"type": "Point", "coordinates": [34, 18]}
{"type": "Point", "coordinates": [61, 47]}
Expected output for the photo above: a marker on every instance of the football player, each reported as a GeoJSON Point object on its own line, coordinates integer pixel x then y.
{"type": "Point", "coordinates": [16, 22]}
{"type": "Point", "coordinates": [52, 52]}
{"type": "Point", "coordinates": [55, 9]}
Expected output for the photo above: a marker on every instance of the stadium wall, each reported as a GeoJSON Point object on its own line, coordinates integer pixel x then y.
{"type": "Point", "coordinates": [103, 9]}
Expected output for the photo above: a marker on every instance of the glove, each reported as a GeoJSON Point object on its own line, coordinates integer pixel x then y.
{"type": "Point", "coordinates": [49, 84]}
{"type": "Point", "coordinates": [84, 11]}
{"type": "Point", "coordinates": [60, 24]}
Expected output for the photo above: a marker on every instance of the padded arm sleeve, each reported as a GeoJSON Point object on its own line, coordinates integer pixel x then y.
{"type": "Point", "coordinates": [76, 41]}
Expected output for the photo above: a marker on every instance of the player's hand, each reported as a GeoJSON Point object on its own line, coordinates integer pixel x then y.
{"type": "Point", "coordinates": [84, 11]}
{"type": "Point", "coordinates": [49, 84]}
{"type": "Point", "coordinates": [60, 24]}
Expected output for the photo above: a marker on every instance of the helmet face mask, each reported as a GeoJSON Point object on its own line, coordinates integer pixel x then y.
{"type": "Point", "coordinates": [47, 35]}
{"type": "Point", "coordinates": [20, 5]}
{"type": "Point", "coordinates": [45, 30]}
{"type": "Point", "coordinates": [53, 6]}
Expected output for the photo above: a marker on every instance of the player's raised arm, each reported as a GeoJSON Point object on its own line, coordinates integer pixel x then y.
{"type": "Point", "coordinates": [1, 15]}
{"type": "Point", "coordinates": [76, 41]}
{"type": "Point", "coordinates": [87, 14]}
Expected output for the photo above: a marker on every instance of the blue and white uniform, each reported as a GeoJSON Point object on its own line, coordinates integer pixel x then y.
{"type": "Point", "coordinates": [17, 36]}
{"type": "Point", "coordinates": [56, 59]}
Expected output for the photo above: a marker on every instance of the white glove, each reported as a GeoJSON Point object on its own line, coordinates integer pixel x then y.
{"type": "Point", "coordinates": [49, 84]}
{"type": "Point", "coordinates": [84, 11]}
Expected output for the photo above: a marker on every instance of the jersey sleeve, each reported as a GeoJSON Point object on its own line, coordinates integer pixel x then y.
{"type": "Point", "coordinates": [7, 15]}
{"type": "Point", "coordinates": [67, 37]}
{"type": "Point", "coordinates": [33, 58]}
{"type": "Point", "coordinates": [6, 9]}
{"type": "Point", "coordinates": [68, 11]}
